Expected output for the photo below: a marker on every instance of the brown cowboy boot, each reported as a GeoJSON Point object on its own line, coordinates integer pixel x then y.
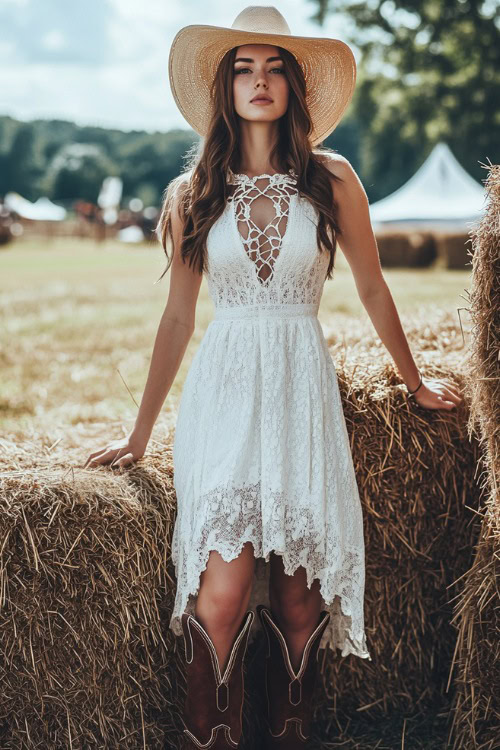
{"type": "Point", "coordinates": [289, 695]}
{"type": "Point", "coordinates": [214, 702]}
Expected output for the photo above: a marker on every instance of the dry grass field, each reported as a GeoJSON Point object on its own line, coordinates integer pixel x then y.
{"type": "Point", "coordinates": [78, 322]}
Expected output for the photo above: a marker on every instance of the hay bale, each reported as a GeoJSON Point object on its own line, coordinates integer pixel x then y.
{"type": "Point", "coordinates": [453, 250]}
{"type": "Point", "coordinates": [424, 248]}
{"type": "Point", "coordinates": [416, 470]}
{"type": "Point", "coordinates": [409, 249]}
{"type": "Point", "coordinates": [87, 585]}
{"type": "Point", "coordinates": [393, 248]}
{"type": "Point", "coordinates": [86, 657]}
{"type": "Point", "coordinates": [476, 710]}
{"type": "Point", "coordinates": [476, 713]}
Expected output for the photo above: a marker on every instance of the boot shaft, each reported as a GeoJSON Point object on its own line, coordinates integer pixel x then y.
{"type": "Point", "coordinates": [289, 693]}
{"type": "Point", "coordinates": [214, 700]}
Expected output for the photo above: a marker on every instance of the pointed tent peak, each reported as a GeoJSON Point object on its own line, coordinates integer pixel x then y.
{"type": "Point", "coordinates": [441, 164]}
{"type": "Point", "coordinates": [442, 147]}
{"type": "Point", "coordinates": [440, 190]}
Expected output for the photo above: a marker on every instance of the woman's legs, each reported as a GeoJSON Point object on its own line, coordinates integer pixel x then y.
{"type": "Point", "coordinates": [223, 597]}
{"type": "Point", "coordinates": [296, 607]}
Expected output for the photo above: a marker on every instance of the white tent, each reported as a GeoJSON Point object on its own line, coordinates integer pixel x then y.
{"type": "Point", "coordinates": [42, 210]}
{"type": "Point", "coordinates": [109, 198]}
{"type": "Point", "coordinates": [110, 193]}
{"type": "Point", "coordinates": [132, 233]}
{"type": "Point", "coordinates": [441, 194]}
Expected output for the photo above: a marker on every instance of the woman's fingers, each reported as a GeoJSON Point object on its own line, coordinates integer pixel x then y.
{"type": "Point", "coordinates": [121, 461]}
{"type": "Point", "coordinates": [448, 404]}
{"type": "Point", "coordinates": [448, 392]}
{"type": "Point", "coordinates": [117, 458]}
{"type": "Point", "coordinates": [91, 457]}
{"type": "Point", "coordinates": [101, 457]}
{"type": "Point", "coordinates": [118, 453]}
{"type": "Point", "coordinates": [454, 397]}
{"type": "Point", "coordinates": [438, 394]}
{"type": "Point", "coordinates": [452, 393]}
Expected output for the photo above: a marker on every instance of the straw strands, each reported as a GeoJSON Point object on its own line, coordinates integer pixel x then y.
{"type": "Point", "coordinates": [416, 471]}
{"type": "Point", "coordinates": [85, 589]}
{"type": "Point", "coordinates": [87, 585]}
{"type": "Point", "coordinates": [476, 713]}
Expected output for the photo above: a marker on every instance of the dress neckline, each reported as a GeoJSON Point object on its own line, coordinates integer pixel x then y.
{"type": "Point", "coordinates": [241, 177]}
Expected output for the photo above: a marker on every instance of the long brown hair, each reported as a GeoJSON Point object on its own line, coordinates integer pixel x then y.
{"type": "Point", "coordinates": [203, 183]}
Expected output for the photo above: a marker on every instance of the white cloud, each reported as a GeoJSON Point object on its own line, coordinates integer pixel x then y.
{"type": "Point", "coordinates": [53, 40]}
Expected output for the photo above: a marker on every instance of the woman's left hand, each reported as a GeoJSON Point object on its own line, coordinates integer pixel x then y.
{"type": "Point", "coordinates": [436, 393]}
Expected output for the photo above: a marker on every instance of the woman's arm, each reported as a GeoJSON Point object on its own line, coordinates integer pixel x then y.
{"type": "Point", "coordinates": [357, 242]}
{"type": "Point", "coordinates": [174, 332]}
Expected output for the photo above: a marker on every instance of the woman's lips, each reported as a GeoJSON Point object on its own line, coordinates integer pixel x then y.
{"type": "Point", "coordinates": [261, 101]}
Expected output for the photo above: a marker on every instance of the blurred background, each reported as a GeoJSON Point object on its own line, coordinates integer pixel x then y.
{"type": "Point", "coordinates": [90, 137]}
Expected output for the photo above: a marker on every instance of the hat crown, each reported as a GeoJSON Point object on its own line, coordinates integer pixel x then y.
{"type": "Point", "coordinates": [262, 19]}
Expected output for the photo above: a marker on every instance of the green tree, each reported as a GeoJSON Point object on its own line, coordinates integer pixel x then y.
{"type": "Point", "coordinates": [21, 169]}
{"type": "Point", "coordinates": [429, 71]}
{"type": "Point", "coordinates": [77, 172]}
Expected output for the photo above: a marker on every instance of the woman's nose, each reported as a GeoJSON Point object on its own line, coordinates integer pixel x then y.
{"type": "Point", "coordinates": [261, 80]}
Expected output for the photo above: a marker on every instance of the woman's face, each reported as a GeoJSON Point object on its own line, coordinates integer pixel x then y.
{"type": "Point", "coordinates": [259, 71]}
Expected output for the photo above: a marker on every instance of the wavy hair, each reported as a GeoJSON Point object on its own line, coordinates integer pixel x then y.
{"type": "Point", "coordinates": [203, 187]}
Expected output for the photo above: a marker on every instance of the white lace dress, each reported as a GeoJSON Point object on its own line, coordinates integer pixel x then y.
{"type": "Point", "coordinates": [261, 451]}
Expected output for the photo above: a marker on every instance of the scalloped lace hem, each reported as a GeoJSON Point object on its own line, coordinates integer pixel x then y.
{"type": "Point", "coordinates": [341, 633]}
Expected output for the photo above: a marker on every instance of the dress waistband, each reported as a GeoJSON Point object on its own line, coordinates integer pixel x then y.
{"type": "Point", "coordinates": [238, 312]}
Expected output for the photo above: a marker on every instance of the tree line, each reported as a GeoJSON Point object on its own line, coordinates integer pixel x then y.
{"type": "Point", "coordinates": [429, 71]}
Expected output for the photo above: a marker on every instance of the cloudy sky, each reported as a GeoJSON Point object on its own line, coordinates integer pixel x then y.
{"type": "Point", "coordinates": [105, 62]}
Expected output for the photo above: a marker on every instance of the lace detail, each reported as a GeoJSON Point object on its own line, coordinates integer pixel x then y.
{"type": "Point", "coordinates": [234, 517]}
{"type": "Point", "coordinates": [261, 208]}
{"type": "Point", "coordinates": [261, 450]}
{"type": "Point", "coordinates": [235, 177]}
{"type": "Point", "coordinates": [299, 271]}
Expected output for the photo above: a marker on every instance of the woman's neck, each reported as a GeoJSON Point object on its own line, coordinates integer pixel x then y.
{"type": "Point", "coordinates": [256, 146]}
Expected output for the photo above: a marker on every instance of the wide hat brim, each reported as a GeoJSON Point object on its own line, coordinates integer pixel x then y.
{"type": "Point", "coordinates": [328, 64]}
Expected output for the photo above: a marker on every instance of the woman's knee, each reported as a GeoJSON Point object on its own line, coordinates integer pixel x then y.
{"type": "Point", "coordinates": [223, 603]}
{"type": "Point", "coordinates": [225, 589]}
{"type": "Point", "coordinates": [295, 603]}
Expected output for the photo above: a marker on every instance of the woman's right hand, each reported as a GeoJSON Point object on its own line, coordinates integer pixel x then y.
{"type": "Point", "coordinates": [119, 453]}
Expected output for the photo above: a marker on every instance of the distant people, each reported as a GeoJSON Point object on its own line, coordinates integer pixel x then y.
{"type": "Point", "coordinates": [91, 219]}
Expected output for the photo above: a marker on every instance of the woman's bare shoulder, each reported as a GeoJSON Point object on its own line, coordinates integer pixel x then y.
{"type": "Point", "coordinates": [336, 164]}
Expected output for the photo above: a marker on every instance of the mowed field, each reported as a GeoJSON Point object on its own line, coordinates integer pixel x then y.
{"type": "Point", "coordinates": [78, 322]}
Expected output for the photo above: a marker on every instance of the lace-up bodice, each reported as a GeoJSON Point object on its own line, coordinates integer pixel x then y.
{"type": "Point", "coordinates": [263, 250]}
{"type": "Point", "coordinates": [262, 209]}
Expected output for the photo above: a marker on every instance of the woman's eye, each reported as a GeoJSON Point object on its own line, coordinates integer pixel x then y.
{"type": "Point", "coordinates": [240, 70]}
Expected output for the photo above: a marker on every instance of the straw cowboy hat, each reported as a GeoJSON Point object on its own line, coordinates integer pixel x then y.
{"type": "Point", "coordinates": [196, 52]}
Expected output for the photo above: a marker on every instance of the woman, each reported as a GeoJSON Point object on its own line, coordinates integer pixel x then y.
{"type": "Point", "coordinates": [268, 505]}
